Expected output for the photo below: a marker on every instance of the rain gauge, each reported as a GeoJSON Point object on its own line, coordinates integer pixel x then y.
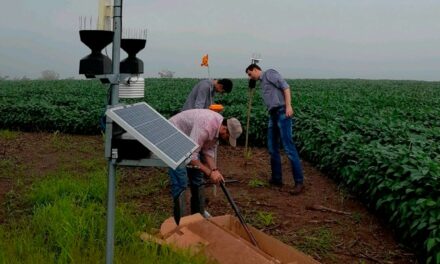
{"type": "Point", "coordinates": [133, 86]}
{"type": "Point", "coordinates": [135, 135]}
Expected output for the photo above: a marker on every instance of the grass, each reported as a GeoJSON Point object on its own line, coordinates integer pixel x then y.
{"type": "Point", "coordinates": [257, 183]}
{"type": "Point", "coordinates": [344, 194]}
{"type": "Point", "coordinates": [8, 135]}
{"type": "Point", "coordinates": [60, 142]}
{"type": "Point", "coordinates": [7, 168]}
{"type": "Point", "coordinates": [248, 154]}
{"type": "Point", "coordinates": [61, 218]}
{"type": "Point", "coordinates": [260, 219]}
{"type": "Point", "coordinates": [12, 173]}
{"type": "Point", "coordinates": [357, 217]}
{"type": "Point", "coordinates": [149, 186]}
{"type": "Point", "coordinates": [318, 241]}
{"type": "Point", "coordinates": [265, 218]}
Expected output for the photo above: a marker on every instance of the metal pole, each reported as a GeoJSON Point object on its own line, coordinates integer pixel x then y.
{"type": "Point", "coordinates": [114, 99]}
{"type": "Point", "coordinates": [111, 205]}
{"type": "Point", "coordinates": [117, 28]}
{"type": "Point", "coordinates": [246, 149]}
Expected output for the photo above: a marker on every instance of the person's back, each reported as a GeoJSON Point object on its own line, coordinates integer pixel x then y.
{"type": "Point", "coordinates": [199, 124]}
{"type": "Point", "coordinates": [272, 85]}
{"type": "Point", "coordinates": [201, 96]}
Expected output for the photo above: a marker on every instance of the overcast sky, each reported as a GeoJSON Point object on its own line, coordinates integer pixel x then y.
{"type": "Point", "coordinates": [373, 39]}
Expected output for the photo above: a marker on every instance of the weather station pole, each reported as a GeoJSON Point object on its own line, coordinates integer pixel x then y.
{"type": "Point", "coordinates": [112, 72]}
{"type": "Point", "coordinates": [112, 155]}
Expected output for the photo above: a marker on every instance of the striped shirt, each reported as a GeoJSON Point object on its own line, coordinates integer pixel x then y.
{"type": "Point", "coordinates": [202, 126]}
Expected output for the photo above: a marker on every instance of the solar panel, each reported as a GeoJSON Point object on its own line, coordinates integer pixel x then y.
{"type": "Point", "coordinates": [154, 132]}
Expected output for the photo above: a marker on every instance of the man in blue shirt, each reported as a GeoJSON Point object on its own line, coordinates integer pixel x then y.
{"type": "Point", "coordinates": [277, 98]}
{"type": "Point", "coordinates": [202, 94]}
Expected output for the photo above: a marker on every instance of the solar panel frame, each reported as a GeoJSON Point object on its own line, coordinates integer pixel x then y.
{"type": "Point", "coordinates": [171, 145]}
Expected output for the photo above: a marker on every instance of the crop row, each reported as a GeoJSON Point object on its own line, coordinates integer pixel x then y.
{"type": "Point", "coordinates": [380, 138]}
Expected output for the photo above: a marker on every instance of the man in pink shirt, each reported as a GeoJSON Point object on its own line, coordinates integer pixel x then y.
{"type": "Point", "coordinates": [204, 127]}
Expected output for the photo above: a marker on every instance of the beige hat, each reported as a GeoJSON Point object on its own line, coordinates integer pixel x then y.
{"type": "Point", "coordinates": [234, 129]}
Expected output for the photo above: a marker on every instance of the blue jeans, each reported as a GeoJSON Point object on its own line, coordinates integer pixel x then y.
{"type": "Point", "coordinates": [280, 131]}
{"type": "Point", "coordinates": [179, 179]}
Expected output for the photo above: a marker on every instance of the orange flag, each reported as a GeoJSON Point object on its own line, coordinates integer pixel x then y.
{"type": "Point", "coordinates": [205, 61]}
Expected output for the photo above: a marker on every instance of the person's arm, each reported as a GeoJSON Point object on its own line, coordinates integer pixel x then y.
{"type": "Point", "coordinates": [210, 161]}
{"type": "Point", "coordinates": [287, 100]}
{"type": "Point", "coordinates": [200, 136]}
{"type": "Point", "coordinates": [279, 82]}
{"type": "Point", "coordinates": [209, 169]}
{"type": "Point", "coordinates": [208, 155]}
{"type": "Point", "coordinates": [216, 176]}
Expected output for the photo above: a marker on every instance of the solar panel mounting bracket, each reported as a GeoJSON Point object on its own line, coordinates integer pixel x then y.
{"type": "Point", "coordinates": [155, 133]}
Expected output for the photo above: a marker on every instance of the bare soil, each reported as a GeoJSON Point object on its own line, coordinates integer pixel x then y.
{"type": "Point", "coordinates": [346, 232]}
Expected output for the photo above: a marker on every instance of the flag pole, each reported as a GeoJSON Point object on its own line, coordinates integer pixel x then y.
{"type": "Point", "coordinates": [205, 62]}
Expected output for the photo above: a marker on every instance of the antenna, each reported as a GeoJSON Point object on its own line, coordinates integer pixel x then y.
{"type": "Point", "coordinates": [256, 58]}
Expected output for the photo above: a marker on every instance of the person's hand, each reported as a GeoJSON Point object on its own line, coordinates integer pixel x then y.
{"type": "Point", "coordinates": [216, 177]}
{"type": "Point", "coordinates": [289, 111]}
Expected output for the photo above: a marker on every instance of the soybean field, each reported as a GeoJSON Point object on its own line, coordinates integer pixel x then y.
{"type": "Point", "coordinates": [379, 138]}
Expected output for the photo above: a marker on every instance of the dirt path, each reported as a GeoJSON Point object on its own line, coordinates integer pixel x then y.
{"type": "Point", "coordinates": [348, 234]}
{"type": "Point", "coordinates": [343, 232]}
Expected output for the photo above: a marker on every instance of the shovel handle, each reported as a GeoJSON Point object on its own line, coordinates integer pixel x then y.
{"type": "Point", "coordinates": [237, 212]}
{"type": "Point", "coordinates": [225, 181]}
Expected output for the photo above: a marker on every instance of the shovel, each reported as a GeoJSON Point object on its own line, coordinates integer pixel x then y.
{"type": "Point", "coordinates": [237, 212]}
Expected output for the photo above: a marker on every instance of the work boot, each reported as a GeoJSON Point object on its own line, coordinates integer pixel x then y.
{"type": "Point", "coordinates": [275, 183]}
{"type": "Point", "coordinates": [179, 207]}
{"type": "Point", "coordinates": [197, 200]}
{"type": "Point", "coordinates": [299, 188]}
